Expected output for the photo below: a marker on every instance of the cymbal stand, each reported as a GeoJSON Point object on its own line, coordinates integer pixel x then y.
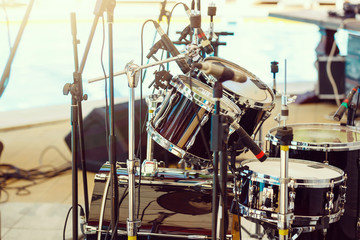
{"type": "Point", "coordinates": [132, 162]}
{"type": "Point", "coordinates": [76, 91]}
{"type": "Point", "coordinates": [218, 137]}
{"type": "Point", "coordinates": [285, 136]}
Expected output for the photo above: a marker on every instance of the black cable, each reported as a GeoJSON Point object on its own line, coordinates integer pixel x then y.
{"type": "Point", "coordinates": [125, 193]}
{"type": "Point", "coordinates": [142, 79]}
{"type": "Point", "coordinates": [67, 217]}
{"type": "Point", "coordinates": [148, 205]}
{"type": "Point", "coordinates": [10, 174]}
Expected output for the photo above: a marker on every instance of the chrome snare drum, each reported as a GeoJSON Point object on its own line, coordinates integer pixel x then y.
{"type": "Point", "coordinates": [253, 97]}
{"type": "Point", "coordinates": [188, 105]}
{"type": "Point", "coordinates": [174, 204]}
{"type": "Point", "coordinates": [316, 191]}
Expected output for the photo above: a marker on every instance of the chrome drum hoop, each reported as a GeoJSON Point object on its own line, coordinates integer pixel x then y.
{"type": "Point", "coordinates": [177, 151]}
{"type": "Point", "coordinates": [299, 183]}
{"type": "Point", "coordinates": [238, 98]}
{"type": "Point", "coordinates": [202, 96]}
{"type": "Point", "coordinates": [251, 213]}
{"type": "Point", "coordinates": [323, 146]}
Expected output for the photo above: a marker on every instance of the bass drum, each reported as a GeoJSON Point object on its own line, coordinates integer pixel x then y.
{"type": "Point", "coordinates": [174, 204]}
{"type": "Point", "coordinates": [253, 97]}
{"type": "Point", "coordinates": [316, 193]}
{"type": "Point", "coordinates": [332, 144]}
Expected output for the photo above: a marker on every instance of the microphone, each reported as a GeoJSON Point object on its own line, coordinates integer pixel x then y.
{"type": "Point", "coordinates": [195, 22]}
{"type": "Point", "coordinates": [220, 72]}
{"type": "Point", "coordinates": [169, 46]}
{"type": "Point", "coordinates": [163, 12]}
{"type": "Point", "coordinates": [205, 43]}
{"type": "Point", "coordinates": [248, 142]}
{"type": "Point", "coordinates": [344, 105]}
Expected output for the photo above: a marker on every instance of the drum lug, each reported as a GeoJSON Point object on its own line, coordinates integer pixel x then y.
{"type": "Point", "coordinates": [292, 196]}
{"type": "Point", "coordinates": [253, 193]}
{"type": "Point", "coordinates": [330, 198]}
{"type": "Point", "coordinates": [343, 193]}
{"type": "Point", "coordinates": [237, 187]}
{"type": "Point", "coordinates": [268, 199]}
{"type": "Point", "coordinates": [100, 176]}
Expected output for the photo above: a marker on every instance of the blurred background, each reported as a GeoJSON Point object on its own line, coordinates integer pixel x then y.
{"type": "Point", "coordinates": [44, 60]}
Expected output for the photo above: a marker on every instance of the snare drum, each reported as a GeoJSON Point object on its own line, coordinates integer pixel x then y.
{"type": "Point", "coordinates": [253, 97]}
{"type": "Point", "coordinates": [310, 186]}
{"type": "Point", "coordinates": [187, 106]}
{"type": "Point", "coordinates": [174, 204]}
{"type": "Point", "coordinates": [333, 144]}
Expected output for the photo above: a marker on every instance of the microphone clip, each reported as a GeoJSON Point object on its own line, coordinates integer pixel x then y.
{"type": "Point", "coordinates": [162, 79]}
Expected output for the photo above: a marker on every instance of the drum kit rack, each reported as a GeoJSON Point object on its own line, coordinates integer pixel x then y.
{"type": "Point", "coordinates": [280, 194]}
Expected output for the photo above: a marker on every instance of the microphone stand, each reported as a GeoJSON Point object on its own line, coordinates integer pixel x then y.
{"type": "Point", "coordinates": [132, 72]}
{"type": "Point", "coordinates": [112, 138]}
{"type": "Point", "coordinates": [218, 136]}
{"type": "Point", "coordinates": [132, 162]}
{"type": "Point", "coordinates": [76, 115]}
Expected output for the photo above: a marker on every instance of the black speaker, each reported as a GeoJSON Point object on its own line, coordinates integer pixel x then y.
{"type": "Point", "coordinates": [96, 142]}
{"type": "Point", "coordinates": [324, 89]}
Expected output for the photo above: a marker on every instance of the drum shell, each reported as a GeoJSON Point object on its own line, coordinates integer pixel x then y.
{"type": "Point", "coordinates": [310, 193]}
{"type": "Point", "coordinates": [186, 107]}
{"type": "Point", "coordinates": [308, 201]}
{"type": "Point", "coordinates": [184, 197]}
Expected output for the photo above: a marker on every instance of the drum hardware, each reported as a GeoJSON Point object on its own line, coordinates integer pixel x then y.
{"type": "Point", "coordinates": [329, 206]}
{"type": "Point", "coordinates": [285, 136]}
{"type": "Point", "coordinates": [162, 79]}
{"type": "Point", "coordinates": [138, 68]}
{"type": "Point", "coordinates": [253, 196]}
{"type": "Point", "coordinates": [292, 195]}
{"type": "Point", "coordinates": [152, 102]}
{"type": "Point", "coordinates": [274, 70]}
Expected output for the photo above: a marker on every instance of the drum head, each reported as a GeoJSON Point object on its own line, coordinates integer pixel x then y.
{"type": "Point", "coordinates": [305, 172]}
{"type": "Point", "coordinates": [253, 91]}
{"type": "Point", "coordinates": [322, 137]}
{"type": "Point", "coordinates": [202, 95]}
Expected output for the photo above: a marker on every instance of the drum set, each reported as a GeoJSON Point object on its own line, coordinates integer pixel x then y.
{"type": "Point", "coordinates": [306, 189]}
{"type": "Point", "coordinates": [176, 202]}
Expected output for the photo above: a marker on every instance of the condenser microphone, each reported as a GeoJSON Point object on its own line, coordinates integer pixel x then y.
{"type": "Point", "coordinates": [169, 46]}
{"type": "Point", "coordinates": [220, 72]}
{"type": "Point", "coordinates": [344, 105]}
